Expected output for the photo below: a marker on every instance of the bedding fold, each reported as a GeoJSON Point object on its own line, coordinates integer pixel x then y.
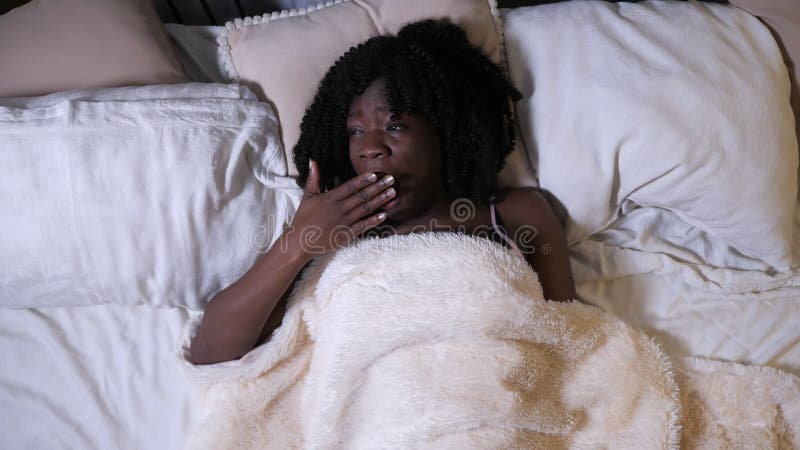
{"type": "Point", "coordinates": [659, 276]}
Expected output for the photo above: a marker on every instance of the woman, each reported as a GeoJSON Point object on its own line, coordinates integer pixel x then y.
{"type": "Point", "coordinates": [401, 127]}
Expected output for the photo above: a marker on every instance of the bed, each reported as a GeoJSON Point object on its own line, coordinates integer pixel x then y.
{"type": "Point", "coordinates": [100, 367]}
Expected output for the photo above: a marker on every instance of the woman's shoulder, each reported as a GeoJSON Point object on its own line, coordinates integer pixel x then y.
{"type": "Point", "coordinates": [522, 197]}
{"type": "Point", "coordinates": [528, 206]}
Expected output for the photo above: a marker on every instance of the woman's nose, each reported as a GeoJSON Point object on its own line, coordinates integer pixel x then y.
{"type": "Point", "coordinates": [374, 146]}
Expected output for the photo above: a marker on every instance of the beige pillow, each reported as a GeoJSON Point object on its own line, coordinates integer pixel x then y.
{"type": "Point", "coordinates": [283, 56]}
{"type": "Point", "coordinates": [54, 45]}
{"type": "Point", "coordinates": [783, 19]}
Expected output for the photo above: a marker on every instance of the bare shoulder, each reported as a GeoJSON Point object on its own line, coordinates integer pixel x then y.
{"type": "Point", "coordinates": [526, 206]}
{"type": "Point", "coordinates": [549, 254]}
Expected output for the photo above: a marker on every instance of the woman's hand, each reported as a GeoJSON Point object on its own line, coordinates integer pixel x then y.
{"type": "Point", "coordinates": [329, 220]}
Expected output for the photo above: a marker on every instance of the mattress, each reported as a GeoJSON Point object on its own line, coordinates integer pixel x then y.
{"type": "Point", "coordinates": [108, 376]}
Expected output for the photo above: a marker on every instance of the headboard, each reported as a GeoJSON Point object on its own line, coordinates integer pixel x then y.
{"type": "Point", "coordinates": [217, 12]}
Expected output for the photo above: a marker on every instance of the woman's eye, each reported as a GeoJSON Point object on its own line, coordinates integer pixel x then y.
{"type": "Point", "coordinates": [395, 127]}
{"type": "Point", "coordinates": [354, 131]}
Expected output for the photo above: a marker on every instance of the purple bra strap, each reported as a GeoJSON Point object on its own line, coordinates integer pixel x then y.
{"type": "Point", "coordinates": [514, 249]}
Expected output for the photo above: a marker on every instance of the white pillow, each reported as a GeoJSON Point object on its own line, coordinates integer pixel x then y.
{"type": "Point", "coordinates": [130, 197]}
{"type": "Point", "coordinates": [677, 105]}
{"type": "Point", "coordinates": [133, 93]}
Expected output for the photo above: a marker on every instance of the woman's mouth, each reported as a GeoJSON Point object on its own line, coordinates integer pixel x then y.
{"type": "Point", "coordinates": [392, 204]}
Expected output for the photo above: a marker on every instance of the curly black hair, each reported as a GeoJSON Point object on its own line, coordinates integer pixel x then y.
{"type": "Point", "coordinates": [431, 70]}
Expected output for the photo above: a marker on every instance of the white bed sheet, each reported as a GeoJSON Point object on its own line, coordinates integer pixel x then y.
{"type": "Point", "coordinates": [93, 377]}
{"type": "Point", "coordinates": [674, 290]}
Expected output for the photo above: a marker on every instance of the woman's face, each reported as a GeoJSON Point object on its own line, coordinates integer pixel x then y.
{"type": "Point", "coordinates": [406, 147]}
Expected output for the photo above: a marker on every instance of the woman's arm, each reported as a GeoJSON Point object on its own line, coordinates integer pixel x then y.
{"type": "Point", "coordinates": [245, 313]}
{"type": "Point", "coordinates": [234, 322]}
{"type": "Point", "coordinates": [548, 253]}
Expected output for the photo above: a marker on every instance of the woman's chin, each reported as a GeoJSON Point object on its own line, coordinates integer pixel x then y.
{"type": "Point", "coordinates": [392, 205]}
{"type": "Point", "coordinates": [395, 210]}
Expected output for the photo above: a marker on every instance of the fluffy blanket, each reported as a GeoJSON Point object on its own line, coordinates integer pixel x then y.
{"type": "Point", "coordinates": [440, 340]}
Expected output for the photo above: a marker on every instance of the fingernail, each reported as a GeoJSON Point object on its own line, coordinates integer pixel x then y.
{"type": "Point", "coordinates": [390, 192]}
{"type": "Point", "coordinates": [372, 177]}
{"type": "Point", "coordinates": [309, 164]}
{"type": "Point", "coordinates": [381, 216]}
{"type": "Point", "coordinates": [388, 179]}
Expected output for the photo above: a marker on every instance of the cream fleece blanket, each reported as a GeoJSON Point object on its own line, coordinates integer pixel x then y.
{"type": "Point", "coordinates": [440, 340]}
